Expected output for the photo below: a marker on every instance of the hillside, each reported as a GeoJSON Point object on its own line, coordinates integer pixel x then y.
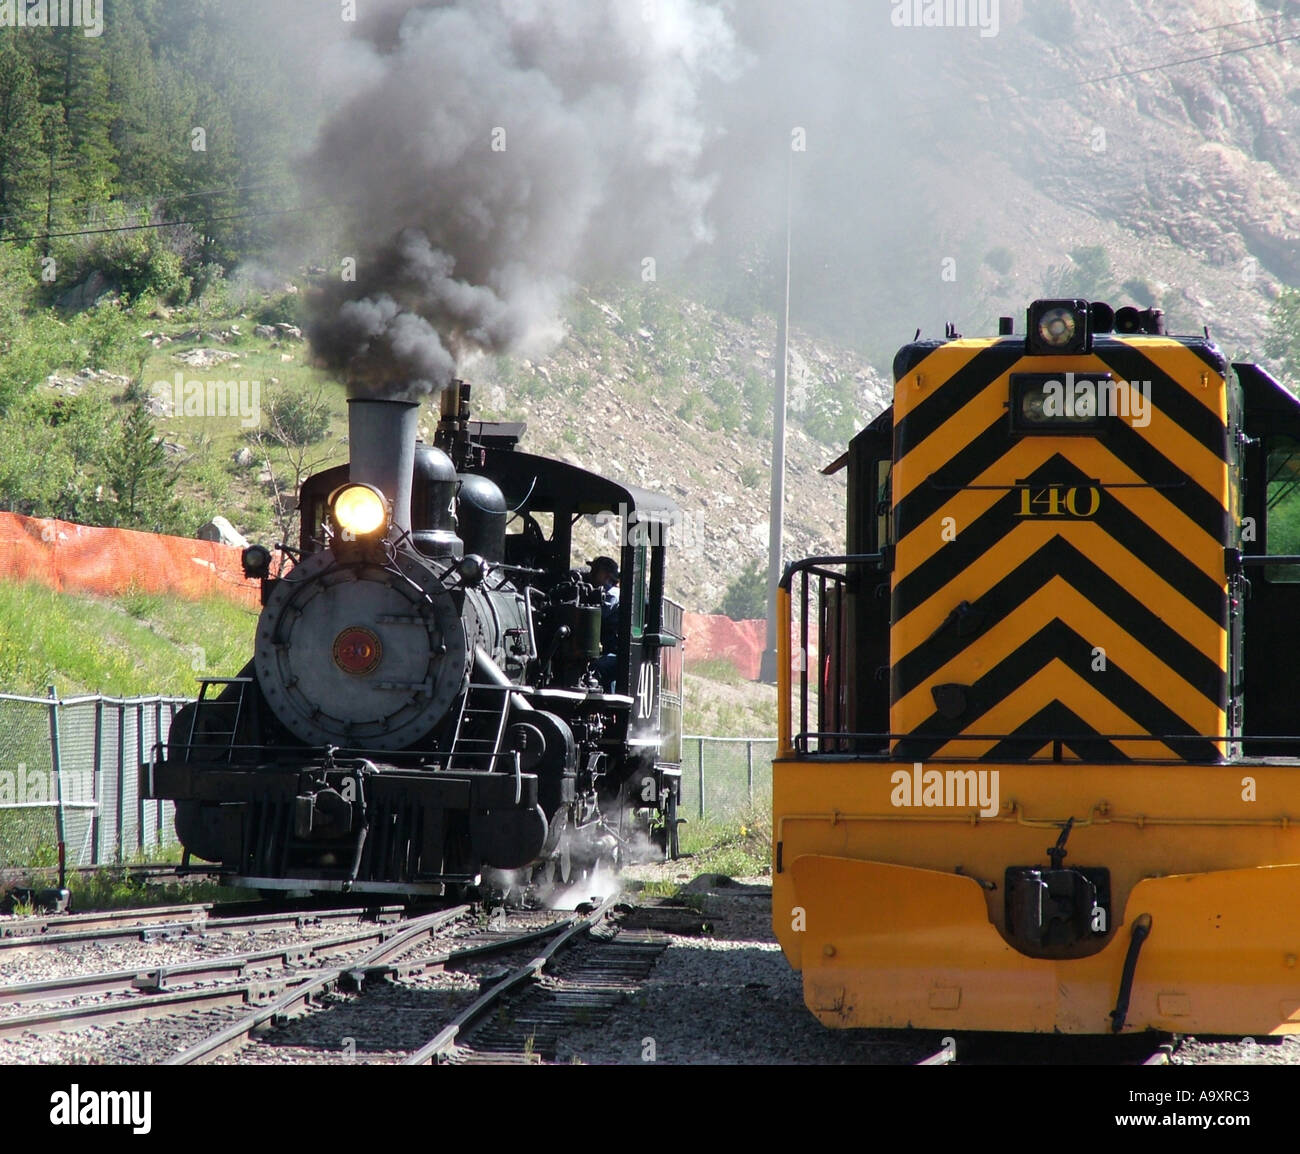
{"type": "Point", "coordinates": [1162, 135]}
{"type": "Point", "coordinates": [141, 645]}
{"type": "Point", "coordinates": [681, 404]}
{"type": "Point", "coordinates": [677, 401]}
{"type": "Point", "coordinates": [1122, 151]}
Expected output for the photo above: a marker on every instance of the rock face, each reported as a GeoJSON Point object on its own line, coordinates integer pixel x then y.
{"type": "Point", "coordinates": [594, 403]}
{"type": "Point", "coordinates": [1164, 133]}
{"type": "Point", "coordinates": [223, 532]}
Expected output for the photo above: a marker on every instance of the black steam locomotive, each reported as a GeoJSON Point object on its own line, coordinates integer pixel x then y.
{"type": "Point", "coordinates": [429, 695]}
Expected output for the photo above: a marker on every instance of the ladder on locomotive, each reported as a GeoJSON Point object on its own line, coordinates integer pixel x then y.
{"type": "Point", "coordinates": [218, 711]}
{"type": "Point", "coordinates": [481, 727]}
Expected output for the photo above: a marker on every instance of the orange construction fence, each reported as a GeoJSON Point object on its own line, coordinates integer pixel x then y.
{"type": "Point", "coordinates": [109, 562]}
{"type": "Point", "coordinates": [710, 636]}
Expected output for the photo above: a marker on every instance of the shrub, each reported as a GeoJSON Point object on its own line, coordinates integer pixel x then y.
{"type": "Point", "coordinates": [297, 418]}
{"type": "Point", "coordinates": [1139, 292]}
{"type": "Point", "coordinates": [746, 596]}
{"type": "Point", "coordinates": [1000, 259]}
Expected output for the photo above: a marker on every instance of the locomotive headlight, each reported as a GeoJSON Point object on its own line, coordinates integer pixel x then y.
{"type": "Point", "coordinates": [1057, 327]}
{"type": "Point", "coordinates": [256, 560]}
{"type": "Point", "coordinates": [359, 510]}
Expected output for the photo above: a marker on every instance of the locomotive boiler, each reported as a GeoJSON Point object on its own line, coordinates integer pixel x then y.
{"type": "Point", "coordinates": [423, 702]}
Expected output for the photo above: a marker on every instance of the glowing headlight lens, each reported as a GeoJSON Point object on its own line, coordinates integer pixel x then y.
{"type": "Point", "coordinates": [1057, 327]}
{"type": "Point", "coordinates": [360, 510]}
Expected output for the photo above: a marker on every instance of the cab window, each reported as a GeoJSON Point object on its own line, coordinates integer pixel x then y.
{"type": "Point", "coordinates": [883, 520]}
{"type": "Point", "coordinates": [1282, 525]}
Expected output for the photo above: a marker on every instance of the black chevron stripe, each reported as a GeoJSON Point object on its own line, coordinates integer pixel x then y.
{"type": "Point", "coordinates": [935, 410]}
{"type": "Point", "coordinates": [1168, 396]}
{"type": "Point", "coordinates": [1048, 724]}
{"type": "Point", "coordinates": [1140, 455]}
{"type": "Point", "coordinates": [962, 468]}
{"type": "Point", "coordinates": [1056, 640]}
{"type": "Point", "coordinates": [1124, 442]}
{"type": "Point", "coordinates": [1127, 443]}
{"type": "Point", "coordinates": [1058, 558]}
{"type": "Point", "coordinates": [1209, 353]}
{"type": "Point", "coordinates": [1000, 519]}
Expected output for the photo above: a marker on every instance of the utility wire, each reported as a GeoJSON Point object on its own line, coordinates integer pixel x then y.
{"type": "Point", "coordinates": [165, 224]}
{"type": "Point", "coordinates": [139, 205]}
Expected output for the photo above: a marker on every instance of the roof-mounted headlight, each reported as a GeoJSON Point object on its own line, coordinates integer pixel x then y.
{"type": "Point", "coordinates": [1057, 328]}
{"type": "Point", "coordinates": [359, 511]}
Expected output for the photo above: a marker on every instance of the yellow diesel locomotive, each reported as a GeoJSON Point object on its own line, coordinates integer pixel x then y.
{"type": "Point", "coordinates": [1037, 764]}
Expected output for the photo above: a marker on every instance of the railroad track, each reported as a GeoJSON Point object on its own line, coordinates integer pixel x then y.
{"type": "Point", "coordinates": [571, 971]}
{"type": "Point", "coordinates": [561, 974]}
{"type": "Point", "coordinates": [385, 964]}
{"type": "Point", "coordinates": [162, 979]}
{"type": "Point", "coordinates": [159, 992]}
{"type": "Point", "coordinates": [54, 930]}
{"type": "Point", "coordinates": [562, 935]}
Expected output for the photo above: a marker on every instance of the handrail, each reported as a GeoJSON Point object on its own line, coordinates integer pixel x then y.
{"type": "Point", "coordinates": [817, 562]}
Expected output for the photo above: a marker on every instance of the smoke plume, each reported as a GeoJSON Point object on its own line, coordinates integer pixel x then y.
{"type": "Point", "coordinates": [486, 154]}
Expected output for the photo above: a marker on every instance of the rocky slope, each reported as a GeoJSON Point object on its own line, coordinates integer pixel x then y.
{"type": "Point", "coordinates": [1163, 133]}
{"type": "Point", "coordinates": [607, 409]}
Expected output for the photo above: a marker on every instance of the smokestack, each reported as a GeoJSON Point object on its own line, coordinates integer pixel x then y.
{"type": "Point", "coordinates": [381, 444]}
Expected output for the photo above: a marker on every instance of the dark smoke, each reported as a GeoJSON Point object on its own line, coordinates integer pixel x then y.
{"type": "Point", "coordinates": [488, 153]}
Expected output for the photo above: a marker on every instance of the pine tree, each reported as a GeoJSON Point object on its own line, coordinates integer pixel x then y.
{"type": "Point", "coordinates": [89, 114]}
{"type": "Point", "coordinates": [137, 469]}
{"type": "Point", "coordinates": [20, 141]}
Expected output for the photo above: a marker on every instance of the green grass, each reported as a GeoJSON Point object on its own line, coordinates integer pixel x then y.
{"type": "Point", "coordinates": [716, 669]}
{"type": "Point", "coordinates": [734, 847]}
{"type": "Point", "coordinates": [112, 889]}
{"type": "Point", "coordinates": [720, 703]}
{"type": "Point", "coordinates": [133, 645]}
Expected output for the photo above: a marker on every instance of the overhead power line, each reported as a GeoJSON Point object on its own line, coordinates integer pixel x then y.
{"type": "Point", "coordinates": [164, 224]}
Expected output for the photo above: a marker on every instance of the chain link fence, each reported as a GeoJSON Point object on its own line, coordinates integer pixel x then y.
{"type": "Point", "coordinates": [69, 775]}
{"type": "Point", "coordinates": [726, 777]}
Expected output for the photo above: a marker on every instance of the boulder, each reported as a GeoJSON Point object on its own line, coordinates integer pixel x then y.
{"type": "Point", "coordinates": [223, 532]}
{"type": "Point", "coordinates": [204, 358]}
{"type": "Point", "coordinates": [90, 292]}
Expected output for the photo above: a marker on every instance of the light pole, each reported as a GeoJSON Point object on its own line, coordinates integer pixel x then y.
{"type": "Point", "coordinates": [767, 667]}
